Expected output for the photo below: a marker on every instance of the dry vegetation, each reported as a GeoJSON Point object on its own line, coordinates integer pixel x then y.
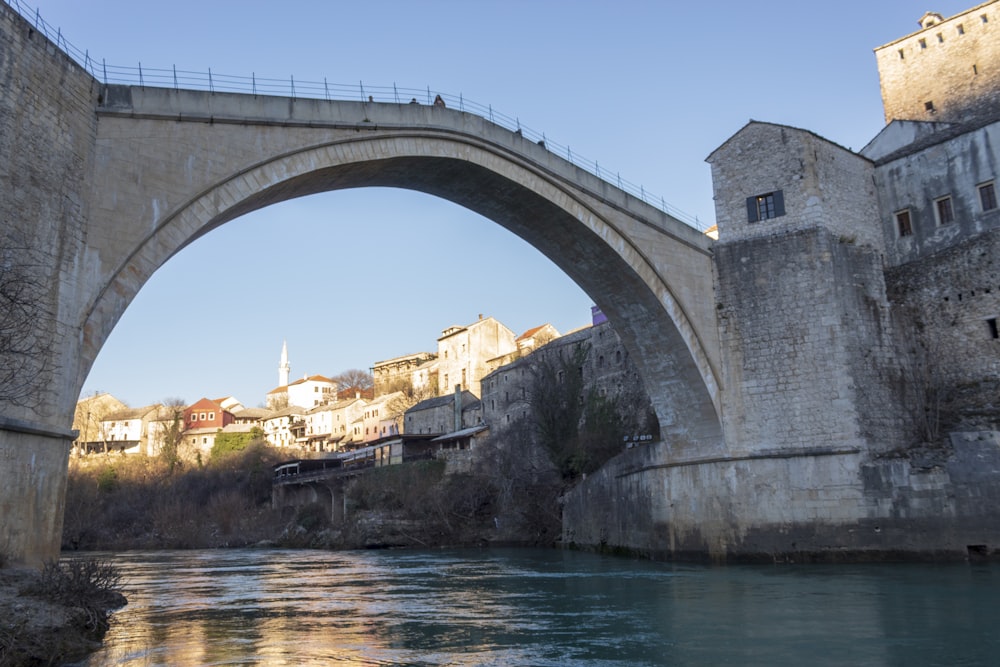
{"type": "Point", "coordinates": [56, 615]}
{"type": "Point", "coordinates": [116, 502]}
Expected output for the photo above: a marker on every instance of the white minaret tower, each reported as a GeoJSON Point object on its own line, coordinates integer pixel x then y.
{"type": "Point", "coordinates": [283, 368]}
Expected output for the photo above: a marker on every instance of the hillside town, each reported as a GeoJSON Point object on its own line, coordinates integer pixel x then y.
{"type": "Point", "coordinates": [478, 381]}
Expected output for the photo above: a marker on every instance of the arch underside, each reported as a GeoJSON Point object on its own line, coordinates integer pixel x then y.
{"type": "Point", "coordinates": [675, 378]}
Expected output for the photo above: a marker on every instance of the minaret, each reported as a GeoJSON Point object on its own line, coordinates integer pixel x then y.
{"type": "Point", "coordinates": [283, 368]}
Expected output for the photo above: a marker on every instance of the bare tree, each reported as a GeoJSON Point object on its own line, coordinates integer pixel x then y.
{"type": "Point", "coordinates": [171, 433]}
{"type": "Point", "coordinates": [354, 378]}
{"type": "Point", "coordinates": [26, 362]}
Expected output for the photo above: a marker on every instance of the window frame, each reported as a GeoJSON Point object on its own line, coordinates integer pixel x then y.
{"type": "Point", "coordinates": [981, 189]}
{"type": "Point", "coordinates": [944, 207]}
{"type": "Point", "coordinates": [773, 206]}
{"type": "Point", "coordinates": [899, 217]}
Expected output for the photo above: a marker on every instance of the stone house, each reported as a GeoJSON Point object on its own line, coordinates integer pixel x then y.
{"type": "Point", "coordinates": [382, 417]}
{"type": "Point", "coordinates": [278, 426]}
{"type": "Point", "coordinates": [398, 373]}
{"type": "Point", "coordinates": [202, 421]}
{"type": "Point", "coordinates": [606, 369]}
{"type": "Point", "coordinates": [87, 418]}
{"type": "Point", "coordinates": [444, 414]}
{"type": "Point", "coordinates": [131, 431]}
{"type": "Point", "coordinates": [329, 427]}
{"type": "Point", "coordinates": [464, 353]}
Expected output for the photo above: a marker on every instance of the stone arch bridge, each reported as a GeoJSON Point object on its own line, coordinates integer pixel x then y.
{"type": "Point", "coordinates": [102, 184]}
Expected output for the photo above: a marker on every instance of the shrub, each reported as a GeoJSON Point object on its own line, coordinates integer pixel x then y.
{"type": "Point", "coordinates": [107, 480]}
{"type": "Point", "coordinates": [92, 585]}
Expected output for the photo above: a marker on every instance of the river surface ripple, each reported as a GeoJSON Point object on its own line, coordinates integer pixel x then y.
{"type": "Point", "coordinates": [542, 607]}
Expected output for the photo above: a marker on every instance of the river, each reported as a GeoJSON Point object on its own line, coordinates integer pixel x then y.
{"type": "Point", "coordinates": [542, 607]}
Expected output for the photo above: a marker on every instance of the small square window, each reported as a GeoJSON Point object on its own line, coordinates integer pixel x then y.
{"type": "Point", "coordinates": [929, 106]}
{"type": "Point", "coordinates": [923, 43]}
{"type": "Point", "coordinates": [960, 28]}
{"type": "Point", "coordinates": [211, 416]}
{"type": "Point", "coordinates": [945, 212]}
{"type": "Point", "coordinates": [988, 196]}
{"type": "Point", "coordinates": [903, 223]}
{"type": "Point", "coordinates": [940, 38]}
{"type": "Point", "coordinates": [984, 18]}
{"type": "Point", "coordinates": [201, 416]}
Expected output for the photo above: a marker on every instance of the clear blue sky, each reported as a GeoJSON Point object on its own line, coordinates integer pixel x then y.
{"type": "Point", "coordinates": [648, 89]}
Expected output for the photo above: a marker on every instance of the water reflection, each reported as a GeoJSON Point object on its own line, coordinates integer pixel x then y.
{"type": "Point", "coordinates": [527, 607]}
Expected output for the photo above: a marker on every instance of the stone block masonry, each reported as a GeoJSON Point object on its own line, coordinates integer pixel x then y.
{"type": "Point", "coordinates": [47, 135]}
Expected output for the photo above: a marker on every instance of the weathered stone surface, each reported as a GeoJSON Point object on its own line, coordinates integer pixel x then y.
{"type": "Point", "coordinates": [117, 179]}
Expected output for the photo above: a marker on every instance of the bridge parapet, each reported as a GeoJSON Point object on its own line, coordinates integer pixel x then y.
{"type": "Point", "coordinates": [301, 90]}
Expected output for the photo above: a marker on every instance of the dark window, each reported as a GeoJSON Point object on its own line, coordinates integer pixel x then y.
{"type": "Point", "coordinates": [992, 323]}
{"type": "Point", "coordinates": [940, 37]}
{"type": "Point", "coordinates": [765, 206]}
{"type": "Point", "coordinates": [923, 43]}
{"type": "Point", "coordinates": [901, 54]}
{"type": "Point", "coordinates": [903, 223]}
{"type": "Point", "coordinates": [988, 196]}
{"type": "Point", "coordinates": [945, 213]}
{"type": "Point", "coordinates": [929, 106]}
{"type": "Point", "coordinates": [961, 29]}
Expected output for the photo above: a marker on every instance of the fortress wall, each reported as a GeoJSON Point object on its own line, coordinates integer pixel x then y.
{"type": "Point", "coordinates": [804, 323]}
{"type": "Point", "coordinates": [47, 134]}
{"type": "Point", "coordinates": [790, 508]}
{"type": "Point", "coordinates": [947, 303]}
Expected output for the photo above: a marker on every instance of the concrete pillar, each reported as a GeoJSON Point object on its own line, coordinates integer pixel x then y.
{"type": "Point", "coordinates": [33, 469]}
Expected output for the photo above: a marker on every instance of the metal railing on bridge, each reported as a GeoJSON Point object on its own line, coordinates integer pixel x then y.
{"type": "Point", "coordinates": [360, 92]}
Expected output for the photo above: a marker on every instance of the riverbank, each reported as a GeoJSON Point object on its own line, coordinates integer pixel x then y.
{"type": "Point", "coordinates": [55, 615]}
{"type": "Point", "coordinates": [118, 503]}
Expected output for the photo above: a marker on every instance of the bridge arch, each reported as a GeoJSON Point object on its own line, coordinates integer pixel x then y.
{"type": "Point", "coordinates": [621, 260]}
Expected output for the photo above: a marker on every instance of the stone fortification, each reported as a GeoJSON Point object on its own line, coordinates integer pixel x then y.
{"type": "Point", "coordinates": [950, 305]}
{"type": "Point", "coordinates": [944, 171]}
{"type": "Point", "coordinates": [946, 71]}
{"type": "Point", "coordinates": [861, 353]}
{"type": "Point", "coordinates": [801, 301]}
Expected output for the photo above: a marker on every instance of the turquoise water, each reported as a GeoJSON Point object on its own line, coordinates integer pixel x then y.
{"type": "Point", "coordinates": [543, 607]}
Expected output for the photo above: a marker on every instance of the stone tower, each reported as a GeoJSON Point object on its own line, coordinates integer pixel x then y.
{"type": "Point", "coordinates": [946, 71]}
{"type": "Point", "coordinates": [284, 368]}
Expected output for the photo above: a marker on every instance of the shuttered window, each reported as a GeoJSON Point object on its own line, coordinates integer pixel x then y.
{"type": "Point", "coordinates": [765, 206]}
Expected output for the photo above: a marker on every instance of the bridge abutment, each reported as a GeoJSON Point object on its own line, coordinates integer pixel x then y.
{"type": "Point", "coordinates": [33, 470]}
{"type": "Point", "coordinates": [47, 135]}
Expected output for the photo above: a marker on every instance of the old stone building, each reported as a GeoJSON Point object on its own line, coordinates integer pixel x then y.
{"type": "Point", "coordinates": [400, 373]}
{"type": "Point", "coordinates": [946, 71]}
{"type": "Point", "coordinates": [464, 353]}
{"type": "Point", "coordinates": [874, 274]}
{"type": "Point", "coordinates": [443, 414]}
{"type": "Point", "coordinates": [605, 367]}
{"type": "Point", "coordinates": [857, 304]}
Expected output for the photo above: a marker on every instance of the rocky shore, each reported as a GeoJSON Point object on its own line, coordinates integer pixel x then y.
{"type": "Point", "coordinates": [48, 618]}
